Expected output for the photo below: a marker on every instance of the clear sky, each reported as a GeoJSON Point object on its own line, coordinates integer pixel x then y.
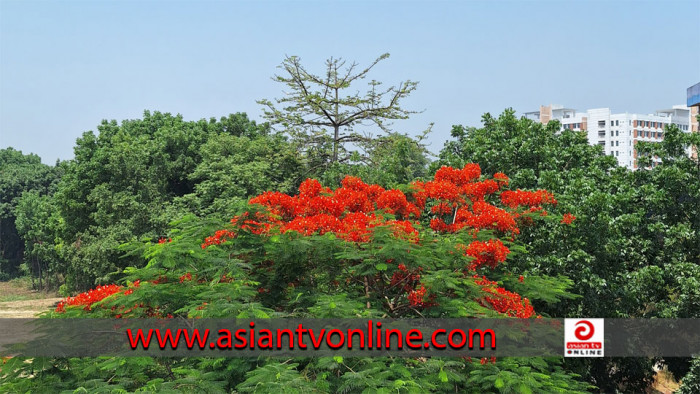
{"type": "Point", "coordinates": [65, 66]}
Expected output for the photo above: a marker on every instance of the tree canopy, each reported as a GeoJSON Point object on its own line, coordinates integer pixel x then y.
{"type": "Point", "coordinates": [319, 104]}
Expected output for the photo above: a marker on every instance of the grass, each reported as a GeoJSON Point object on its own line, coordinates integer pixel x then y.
{"type": "Point", "coordinates": [14, 297]}
{"type": "Point", "coordinates": [20, 289]}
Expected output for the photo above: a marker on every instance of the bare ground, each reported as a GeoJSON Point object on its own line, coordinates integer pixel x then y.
{"type": "Point", "coordinates": [17, 300]}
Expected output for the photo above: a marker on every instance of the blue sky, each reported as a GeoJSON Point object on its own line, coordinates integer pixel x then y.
{"type": "Point", "coordinates": [65, 66]}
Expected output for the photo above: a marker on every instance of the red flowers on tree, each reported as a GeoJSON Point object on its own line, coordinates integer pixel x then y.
{"type": "Point", "coordinates": [568, 218]}
{"type": "Point", "coordinates": [504, 301]}
{"type": "Point", "coordinates": [463, 200]}
{"type": "Point", "coordinates": [488, 253]}
{"type": "Point", "coordinates": [460, 199]}
{"type": "Point", "coordinates": [351, 212]}
{"type": "Point", "coordinates": [89, 297]}
{"type": "Point", "coordinates": [515, 198]}
{"type": "Point", "coordinates": [454, 200]}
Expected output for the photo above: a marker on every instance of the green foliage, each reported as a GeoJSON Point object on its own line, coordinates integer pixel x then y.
{"type": "Point", "coordinates": [234, 167]}
{"type": "Point", "coordinates": [131, 180]}
{"type": "Point", "coordinates": [289, 275]}
{"type": "Point", "coordinates": [38, 223]}
{"type": "Point", "coordinates": [390, 161]}
{"type": "Point", "coordinates": [634, 249]}
{"type": "Point", "coordinates": [531, 375]}
{"type": "Point", "coordinates": [691, 381]}
{"type": "Point", "coordinates": [19, 173]}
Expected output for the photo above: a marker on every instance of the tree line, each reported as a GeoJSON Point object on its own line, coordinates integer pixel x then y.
{"type": "Point", "coordinates": [634, 251]}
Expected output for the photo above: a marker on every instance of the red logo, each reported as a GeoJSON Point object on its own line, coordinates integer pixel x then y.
{"type": "Point", "coordinates": [584, 337]}
{"type": "Point", "coordinates": [584, 333]}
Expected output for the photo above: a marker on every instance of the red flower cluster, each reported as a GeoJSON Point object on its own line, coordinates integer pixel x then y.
{"type": "Point", "coordinates": [485, 360]}
{"type": "Point", "coordinates": [469, 173]}
{"type": "Point", "coordinates": [348, 212]}
{"type": "Point", "coordinates": [515, 198]}
{"type": "Point", "coordinates": [501, 178]}
{"type": "Point", "coordinates": [186, 277]}
{"type": "Point", "coordinates": [568, 218]}
{"type": "Point", "coordinates": [404, 278]}
{"type": "Point", "coordinates": [504, 301]}
{"type": "Point", "coordinates": [395, 203]}
{"type": "Point", "coordinates": [409, 282]}
{"type": "Point", "coordinates": [89, 297]}
{"type": "Point", "coordinates": [353, 210]}
{"type": "Point", "coordinates": [489, 253]}
{"type": "Point", "coordinates": [218, 237]}
{"type": "Point", "coordinates": [130, 290]}
{"type": "Point", "coordinates": [461, 200]}
{"type": "Point", "coordinates": [415, 297]}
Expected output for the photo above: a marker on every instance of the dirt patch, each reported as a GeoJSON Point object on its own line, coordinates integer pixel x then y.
{"type": "Point", "coordinates": [18, 300]}
{"type": "Point", "coordinates": [664, 383]}
{"type": "Point", "coordinates": [27, 308]}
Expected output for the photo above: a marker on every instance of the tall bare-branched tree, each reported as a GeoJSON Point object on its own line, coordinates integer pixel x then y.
{"type": "Point", "coordinates": [318, 105]}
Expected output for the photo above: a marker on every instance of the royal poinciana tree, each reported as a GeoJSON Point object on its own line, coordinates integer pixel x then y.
{"type": "Point", "coordinates": [438, 249]}
{"type": "Point", "coordinates": [318, 105]}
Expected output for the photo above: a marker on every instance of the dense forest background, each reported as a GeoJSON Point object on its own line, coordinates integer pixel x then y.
{"type": "Point", "coordinates": [634, 251]}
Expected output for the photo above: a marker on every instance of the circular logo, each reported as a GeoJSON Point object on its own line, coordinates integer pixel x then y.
{"type": "Point", "coordinates": [584, 332]}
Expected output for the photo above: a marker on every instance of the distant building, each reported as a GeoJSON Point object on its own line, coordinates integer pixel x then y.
{"type": "Point", "coordinates": [568, 117]}
{"type": "Point", "coordinates": [618, 134]}
{"type": "Point", "coordinates": [694, 103]}
{"type": "Point", "coordinates": [694, 95]}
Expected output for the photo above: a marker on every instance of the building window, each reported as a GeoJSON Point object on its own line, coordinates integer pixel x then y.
{"type": "Point", "coordinates": [601, 143]}
{"type": "Point", "coordinates": [617, 133]}
{"type": "Point", "coordinates": [617, 123]}
{"type": "Point", "coordinates": [601, 123]}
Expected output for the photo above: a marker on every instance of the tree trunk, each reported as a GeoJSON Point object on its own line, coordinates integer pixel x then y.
{"type": "Point", "coordinates": [38, 265]}
{"type": "Point", "coordinates": [336, 136]}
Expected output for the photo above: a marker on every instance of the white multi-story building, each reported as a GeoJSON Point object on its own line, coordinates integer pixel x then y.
{"type": "Point", "coordinates": [619, 133]}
